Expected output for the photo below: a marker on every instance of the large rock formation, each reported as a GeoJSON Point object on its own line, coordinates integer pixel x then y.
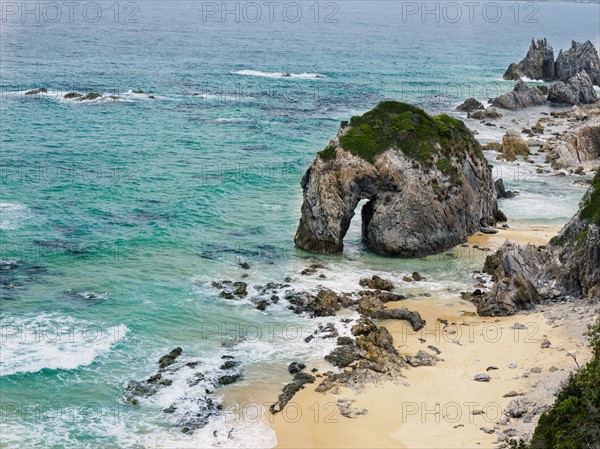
{"type": "Point", "coordinates": [426, 180]}
{"type": "Point", "coordinates": [573, 148]}
{"type": "Point", "coordinates": [569, 266]}
{"type": "Point", "coordinates": [580, 57]}
{"type": "Point", "coordinates": [513, 145]}
{"type": "Point", "coordinates": [578, 90]}
{"type": "Point", "coordinates": [538, 63]}
{"type": "Point", "coordinates": [522, 96]}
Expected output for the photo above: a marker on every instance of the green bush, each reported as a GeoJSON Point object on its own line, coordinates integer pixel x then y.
{"type": "Point", "coordinates": [574, 420]}
{"type": "Point", "coordinates": [439, 140]}
{"type": "Point", "coordinates": [591, 209]}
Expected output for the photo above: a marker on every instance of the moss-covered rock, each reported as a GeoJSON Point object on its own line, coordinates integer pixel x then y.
{"type": "Point", "coordinates": [428, 184]}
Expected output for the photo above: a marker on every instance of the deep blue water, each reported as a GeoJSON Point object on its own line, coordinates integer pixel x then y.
{"type": "Point", "coordinates": [144, 201]}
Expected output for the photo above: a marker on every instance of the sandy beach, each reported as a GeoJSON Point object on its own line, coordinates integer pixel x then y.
{"type": "Point", "coordinates": [433, 407]}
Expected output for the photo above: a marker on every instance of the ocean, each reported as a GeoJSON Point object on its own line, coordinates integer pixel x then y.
{"type": "Point", "coordinates": [117, 214]}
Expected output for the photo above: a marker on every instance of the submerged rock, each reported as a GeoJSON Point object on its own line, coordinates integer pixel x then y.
{"type": "Point", "coordinates": [538, 63]}
{"type": "Point", "coordinates": [72, 95]}
{"type": "Point", "coordinates": [522, 96]}
{"type": "Point", "coordinates": [578, 90]}
{"type": "Point", "coordinates": [41, 90]}
{"type": "Point", "coordinates": [90, 96]}
{"type": "Point", "coordinates": [413, 169]}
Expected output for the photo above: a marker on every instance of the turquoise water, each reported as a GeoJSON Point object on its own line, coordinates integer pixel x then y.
{"type": "Point", "coordinates": [145, 201]}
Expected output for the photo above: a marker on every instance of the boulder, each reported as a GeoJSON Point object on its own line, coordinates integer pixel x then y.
{"type": "Point", "coordinates": [413, 169]}
{"type": "Point", "coordinates": [522, 96]}
{"type": "Point", "coordinates": [90, 96]}
{"type": "Point", "coordinates": [377, 283]}
{"type": "Point", "coordinates": [578, 90]}
{"type": "Point", "coordinates": [488, 113]}
{"type": "Point", "coordinates": [580, 57]}
{"type": "Point", "coordinates": [72, 95]}
{"type": "Point", "coordinates": [538, 63]}
{"type": "Point", "coordinates": [513, 145]}
{"type": "Point", "coordinates": [502, 192]}
{"type": "Point", "coordinates": [470, 104]}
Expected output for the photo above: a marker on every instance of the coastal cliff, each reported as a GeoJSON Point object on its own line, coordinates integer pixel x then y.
{"type": "Point", "coordinates": [568, 267]}
{"type": "Point", "coordinates": [426, 180]}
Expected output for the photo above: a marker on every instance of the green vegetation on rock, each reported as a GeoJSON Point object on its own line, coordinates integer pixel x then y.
{"type": "Point", "coordinates": [430, 140]}
{"type": "Point", "coordinates": [591, 209]}
{"type": "Point", "coordinates": [574, 420]}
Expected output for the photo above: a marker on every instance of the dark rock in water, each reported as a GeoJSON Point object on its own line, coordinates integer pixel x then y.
{"type": "Point", "coordinates": [377, 283]}
{"type": "Point", "coordinates": [341, 341]}
{"type": "Point", "coordinates": [72, 95]}
{"type": "Point", "coordinates": [470, 104]}
{"type": "Point", "coordinates": [296, 367]}
{"type": "Point", "coordinates": [412, 168]}
{"type": "Point", "coordinates": [417, 277]}
{"type": "Point", "coordinates": [245, 265]}
{"type": "Point", "coordinates": [300, 379]}
{"type": "Point", "coordinates": [262, 304]}
{"type": "Point", "coordinates": [538, 63]}
{"type": "Point", "coordinates": [325, 303]}
{"type": "Point", "coordinates": [169, 359]}
{"type": "Point", "coordinates": [488, 113]}
{"type": "Point", "coordinates": [229, 364]}
{"type": "Point", "coordinates": [578, 90]}
{"type": "Point", "coordinates": [41, 90]}
{"type": "Point", "coordinates": [138, 91]}
{"type": "Point", "coordinates": [522, 96]}
{"type": "Point", "coordinates": [241, 288]}
{"type": "Point", "coordinates": [90, 96]}
{"type": "Point", "coordinates": [580, 57]}
{"type": "Point", "coordinates": [501, 190]}
{"type": "Point", "coordinates": [229, 379]}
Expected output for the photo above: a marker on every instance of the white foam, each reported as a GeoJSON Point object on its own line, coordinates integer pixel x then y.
{"type": "Point", "coordinates": [12, 215]}
{"type": "Point", "coordinates": [306, 76]}
{"type": "Point", "coordinates": [52, 341]}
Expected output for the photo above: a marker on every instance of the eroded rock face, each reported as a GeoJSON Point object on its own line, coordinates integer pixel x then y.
{"type": "Point", "coordinates": [569, 266]}
{"type": "Point", "coordinates": [578, 90]}
{"type": "Point", "coordinates": [538, 63]}
{"type": "Point", "coordinates": [513, 145]}
{"type": "Point", "coordinates": [522, 96]}
{"type": "Point", "coordinates": [574, 148]}
{"type": "Point", "coordinates": [580, 57]}
{"type": "Point", "coordinates": [425, 195]}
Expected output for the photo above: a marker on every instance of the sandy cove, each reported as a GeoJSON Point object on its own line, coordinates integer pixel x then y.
{"type": "Point", "coordinates": [432, 407]}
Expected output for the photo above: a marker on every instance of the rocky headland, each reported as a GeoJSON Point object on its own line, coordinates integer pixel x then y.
{"type": "Point", "coordinates": [425, 178]}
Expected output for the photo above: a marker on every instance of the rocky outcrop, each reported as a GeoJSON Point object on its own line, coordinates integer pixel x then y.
{"type": "Point", "coordinates": [580, 57]}
{"type": "Point", "coordinates": [502, 192]}
{"type": "Point", "coordinates": [470, 104]}
{"type": "Point", "coordinates": [488, 113]}
{"type": "Point", "coordinates": [513, 145]}
{"type": "Point", "coordinates": [574, 148]}
{"type": "Point", "coordinates": [578, 90]}
{"type": "Point", "coordinates": [569, 266]}
{"type": "Point", "coordinates": [40, 90]}
{"type": "Point", "coordinates": [576, 250]}
{"type": "Point", "coordinates": [426, 180]}
{"type": "Point", "coordinates": [538, 63]}
{"type": "Point", "coordinates": [522, 96]}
